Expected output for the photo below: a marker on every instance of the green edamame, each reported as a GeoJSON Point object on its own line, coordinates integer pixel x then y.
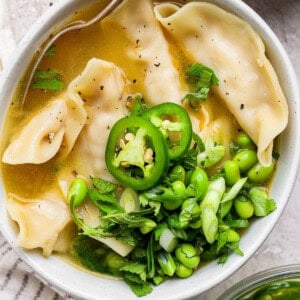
{"type": "Point", "coordinates": [178, 187]}
{"type": "Point", "coordinates": [187, 255]}
{"type": "Point", "coordinates": [233, 236]}
{"type": "Point", "coordinates": [182, 271]}
{"type": "Point", "coordinates": [77, 191]}
{"type": "Point", "coordinates": [196, 224]}
{"type": "Point", "coordinates": [177, 173]}
{"type": "Point", "coordinates": [244, 141]}
{"type": "Point", "coordinates": [200, 181]}
{"type": "Point", "coordinates": [232, 172]}
{"type": "Point", "coordinates": [260, 174]}
{"type": "Point", "coordinates": [196, 211]}
{"type": "Point", "coordinates": [246, 159]}
{"type": "Point", "coordinates": [244, 207]}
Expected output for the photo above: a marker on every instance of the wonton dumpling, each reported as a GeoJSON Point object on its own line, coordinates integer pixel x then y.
{"type": "Point", "coordinates": [40, 220]}
{"type": "Point", "coordinates": [148, 50]}
{"type": "Point", "coordinates": [101, 86]}
{"type": "Point", "coordinates": [59, 123]}
{"type": "Point", "coordinates": [248, 83]}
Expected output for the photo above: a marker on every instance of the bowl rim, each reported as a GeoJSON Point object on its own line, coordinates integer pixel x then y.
{"type": "Point", "coordinates": [34, 38]}
{"type": "Point", "coordinates": [263, 277]}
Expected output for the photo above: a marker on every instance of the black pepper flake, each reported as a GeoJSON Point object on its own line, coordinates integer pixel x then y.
{"type": "Point", "coordinates": [225, 81]}
{"type": "Point", "coordinates": [157, 65]}
{"type": "Point", "coordinates": [94, 79]}
{"type": "Point", "coordinates": [84, 100]}
{"type": "Point", "coordinates": [242, 106]}
{"type": "Point", "coordinates": [74, 173]}
{"type": "Point", "coordinates": [196, 36]}
{"type": "Point", "coordinates": [169, 24]}
{"type": "Point", "coordinates": [140, 56]}
{"type": "Point", "coordinates": [137, 41]}
{"type": "Point", "coordinates": [134, 80]}
{"type": "Point", "coordinates": [101, 87]}
{"type": "Point", "coordinates": [60, 120]}
{"type": "Point", "coordinates": [79, 93]}
{"type": "Point", "coordinates": [51, 3]}
{"type": "Point", "coordinates": [87, 118]}
{"type": "Point", "coordinates": [12, 103]}
{"type": "Point", "coordinates": [107, 127]}
{"type": "Point", "coordinates": [227, 93]}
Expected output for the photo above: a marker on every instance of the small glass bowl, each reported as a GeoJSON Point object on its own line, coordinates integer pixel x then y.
{"type": "Point", "coordinates": [278, 277]}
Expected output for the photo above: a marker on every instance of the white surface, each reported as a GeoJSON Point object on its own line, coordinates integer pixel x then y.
{"type": "Point", "coordinates": [282, 246]}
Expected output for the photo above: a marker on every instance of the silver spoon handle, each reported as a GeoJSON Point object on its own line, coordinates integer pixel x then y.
{"type": "Point", "coordinates": [80, 24]}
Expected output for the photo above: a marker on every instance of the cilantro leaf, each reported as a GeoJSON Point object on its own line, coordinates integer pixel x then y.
{"type": "Point", "coordinates": [51, 51]}
{"type": "Point", "coordinates": [47, 80]}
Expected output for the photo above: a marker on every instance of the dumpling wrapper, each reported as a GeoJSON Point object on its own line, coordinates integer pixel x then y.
{"type": "Point", "coordinates": [227, 44]}
{"type": "Point", "coordinates": [148, 50]}
{"type": "Point", "coordinates": [89, 213]}
{"type": "Point", "coordinates": [101, 86]}
{"type": "Point", "coordinates": [40, 220]}
{"type": "Point", "coordinates": [54, 127]}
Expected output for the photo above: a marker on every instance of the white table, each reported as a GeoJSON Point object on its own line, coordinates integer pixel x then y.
{"type": "Point", "coordinates": [282, 246]}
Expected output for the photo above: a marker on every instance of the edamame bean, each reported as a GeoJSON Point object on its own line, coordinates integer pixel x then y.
{"type": "Point", "coordinates": [245, 159]}
{"type": "Point", "coordinates": [244, 141]}
{"type": "Point", "coordinates": [233, 236]}
{"type": "Point", "coordinates": [187, 255]}
{"type": "Point", "coordinates": [232, 172]}
{"type": "Point", "coordinates": [196, 211]}
{"type": "Point", "coordinates": [244, 207]}
{"type": "Point", "coordinates": [200, 181]}
{"type": "Point", "coordinates": [260, 174]}
{"type": "Point", "coordinates": [177, 173]}
{"type": "Point", "coordinates": [77, 191]}
{"type": "Point", "coordinates": [179, 189]}
{"type": "Point", "coordinates": [196, 224]}
{"type": "Point", "coordinates": [182, 271]}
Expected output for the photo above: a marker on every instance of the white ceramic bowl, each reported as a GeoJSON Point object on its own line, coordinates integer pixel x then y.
{"type": "Point", "coordinates": [82, 285]}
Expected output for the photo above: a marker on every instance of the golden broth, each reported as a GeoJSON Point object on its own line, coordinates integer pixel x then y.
{"type": "Point", "coordinates": [73, 51]}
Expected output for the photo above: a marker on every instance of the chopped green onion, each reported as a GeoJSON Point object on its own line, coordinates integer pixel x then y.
{"type": "Point", "coordinates": [167, 263]}
{"type": "Point", "coordinates": [129, 200]}
{"type": "Point", "coordinates": [168, 240]}
{"type": "Point", "coordinates": [202, 77]}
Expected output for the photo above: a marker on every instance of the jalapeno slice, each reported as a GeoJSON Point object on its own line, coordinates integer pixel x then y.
{"type": "Point", "coordinates": [136, 153]}
{"type": "Point", "coordinates": [174, 123]}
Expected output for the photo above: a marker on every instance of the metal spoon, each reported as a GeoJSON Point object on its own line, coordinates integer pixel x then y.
{"type": "Point", "coordinates": [76, 25]}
